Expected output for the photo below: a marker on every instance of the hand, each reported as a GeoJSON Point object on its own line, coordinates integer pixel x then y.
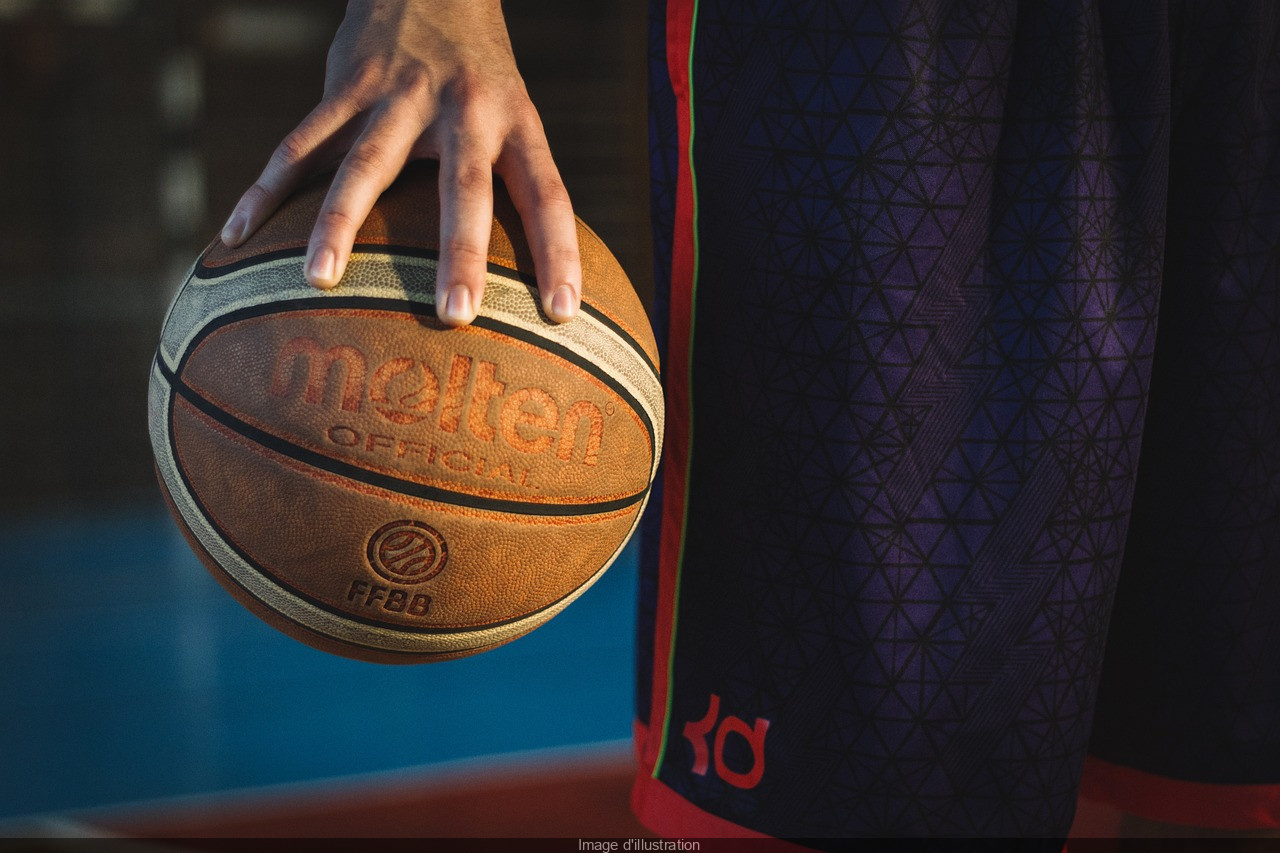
{"type": "Point", "coordinates": [412, 79]}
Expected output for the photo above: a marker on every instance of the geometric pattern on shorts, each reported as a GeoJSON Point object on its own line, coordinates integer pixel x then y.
{"type": "Point", "coordinates": [930, 249]}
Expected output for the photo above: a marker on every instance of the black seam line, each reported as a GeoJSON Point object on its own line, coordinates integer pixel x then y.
{"type": "Point", "coordinates": [302, 625]}
{"type": "Point", "coordinates": [204, 272]}
{"type": "Point", "coordinates": [606, 321]}
{"type": "Point", "coordinates": [386, 481]}
{"type": "Point", "coordinates": [314, 602]}
{"type": "Point", "coordinates": [384, 304]}
{"type": "Point", "coordinates": [572, 357]}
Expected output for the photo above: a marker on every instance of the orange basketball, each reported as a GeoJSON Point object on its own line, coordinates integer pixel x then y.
{"type": "Point", "coordinates": [381, 486]}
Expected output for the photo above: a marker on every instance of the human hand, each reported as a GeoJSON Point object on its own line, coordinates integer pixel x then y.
{"type": "Point", "coordinates": [412, 79]}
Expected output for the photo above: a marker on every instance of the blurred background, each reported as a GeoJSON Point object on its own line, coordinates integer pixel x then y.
{"type": "Point", "coordinates": [135, 696]}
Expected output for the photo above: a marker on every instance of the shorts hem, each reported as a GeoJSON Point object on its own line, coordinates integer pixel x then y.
{"type": "Point", "coordinates": [670, 815]}
{"type": "Point", "coordinates": [1178, 801]}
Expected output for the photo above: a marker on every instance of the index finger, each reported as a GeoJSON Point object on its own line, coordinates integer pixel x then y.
{"type": "Point", "coordinates": [369, 168]}
{"type": "Point", "coordinates": [290, 163]}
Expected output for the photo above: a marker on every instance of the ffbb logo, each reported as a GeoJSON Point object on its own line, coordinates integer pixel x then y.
{"type": "Point", "coordinates": [407, 552]}
{"type": "Point", "coordinates": [471, 398]}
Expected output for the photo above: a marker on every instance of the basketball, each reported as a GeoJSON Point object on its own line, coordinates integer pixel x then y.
{"type": "Point", "coordinates": [381, 486]}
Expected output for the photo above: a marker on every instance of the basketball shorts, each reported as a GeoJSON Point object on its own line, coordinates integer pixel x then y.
{"type": "Point", "coordinates": [971, 490]}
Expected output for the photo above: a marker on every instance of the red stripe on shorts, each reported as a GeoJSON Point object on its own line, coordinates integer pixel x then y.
{"type": "Point", "coordinates": [1178, 801]}
{"type": "Point", "coordinates": [680, 21]}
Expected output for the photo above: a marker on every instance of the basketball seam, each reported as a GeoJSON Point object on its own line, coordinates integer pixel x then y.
{"type": "Point", "coordinates": [387, 304]}
{"type": "Point", "coordinates": [182, 330]}
{"type": "Point", "coordinates": [624, 333]}
{"type": "Point", "coordinates": [585, 364]}
{"type": "Point", "coordinates": [531, 349]}
{"type": "Point", "coordinates": [211, 562]}
{"type": "Point", "coordinates": [209, 272]}
{"type": "Point", "coordinates": [284, 447]}
{"type": "Point", "coordinates": [263, 572]}
{"type": "Point", "coordinates": [411, 501]}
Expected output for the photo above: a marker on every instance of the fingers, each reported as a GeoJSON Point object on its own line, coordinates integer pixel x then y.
{"type": "Point", "coordinates": [547, 215]}
{"type": "Point", "coordinates": [291, 163]}
{"type": "Point", "coordinates": [466, 217]}
{"type": "Point", "coordinates": [471, 144]}
{"type": "Point", "coordinates": [369, 168]}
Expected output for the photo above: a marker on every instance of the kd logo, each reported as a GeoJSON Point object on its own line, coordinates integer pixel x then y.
{"type": "Point", "coordinates": [696, 733]}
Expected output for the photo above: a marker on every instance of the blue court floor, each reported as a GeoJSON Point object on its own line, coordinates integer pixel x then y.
{"type": "Point", "coordinates": [127, 674]}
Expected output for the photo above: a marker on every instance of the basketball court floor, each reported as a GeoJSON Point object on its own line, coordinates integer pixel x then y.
{"type": "Point", "coordinates": [139, 697]}
{"type": "Point", "coordinates": [141, 700]}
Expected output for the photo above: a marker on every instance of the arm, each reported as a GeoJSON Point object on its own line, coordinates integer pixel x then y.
{"type": "Point", "coordinates": [410, 79]}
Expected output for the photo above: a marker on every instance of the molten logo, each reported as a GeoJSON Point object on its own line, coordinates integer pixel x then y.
{"type": "Point", "coordinates": [407, 552]}
{"type": "Point", "coordinates": [471, 398]}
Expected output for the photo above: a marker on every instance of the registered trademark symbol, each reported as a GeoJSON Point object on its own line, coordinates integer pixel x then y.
{"type": "Point", "coordinates": [610, 408]}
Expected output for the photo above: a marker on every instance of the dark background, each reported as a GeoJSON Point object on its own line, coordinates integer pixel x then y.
{"type": "Point", "coordinates": [128, 130]}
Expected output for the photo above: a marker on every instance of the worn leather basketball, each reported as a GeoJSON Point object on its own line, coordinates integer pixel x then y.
{"type": "Point", "coordinates": [381, 486]}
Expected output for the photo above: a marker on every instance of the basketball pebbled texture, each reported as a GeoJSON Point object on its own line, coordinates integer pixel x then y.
{"type": "Point", "coordinates": [383, 487]}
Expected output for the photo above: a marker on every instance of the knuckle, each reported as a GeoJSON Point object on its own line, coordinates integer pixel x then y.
{"type": "Point", "coordinates": [479, 108]}
{"type": "Point", "coordinates": [336, 221]}
{"type": "Point", "coordinates": [257, 195]}
{"type": "Point", "coordinates": [472, 179]}
{"type": "Point", "coordinates": [563, 253]}
{"type": "Point", "coordinates": [360, 87]}
{"type": "Point", "coordinates": [415, 81]}
{"type": "Point", "coordinates": [367, 159]}
{"type": "Point", "coordinates": [291, 150]}
{"type": "Point", "coordinates": [465, 251]}
{"type": "Point", "coordinates": [550, 191]}
{"type": "Point", "coordinates": [365, 78]}
{"type": "Point", "coordinates": [467, 88]}
{"type": "Point", "coordinates": [475, 124]}
{"type": "Point", "coordinates": [528, 121]}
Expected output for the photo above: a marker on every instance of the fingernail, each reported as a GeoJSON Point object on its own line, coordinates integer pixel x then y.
{"type": "Point", "coordinates": [457, 306]}
{"type": "Point", "coordinates": [233, 231]}
{"type": "Point", "coordinates": [320, 270]}
{"type": "Point", "coordinates": [563, 305]}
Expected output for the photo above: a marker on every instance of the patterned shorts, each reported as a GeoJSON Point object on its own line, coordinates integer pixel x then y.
{"type": "Point", "coordinates": [972, 326]}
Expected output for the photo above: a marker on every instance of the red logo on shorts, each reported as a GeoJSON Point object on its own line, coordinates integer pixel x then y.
{"type": "Point", "coordinates": [696, 731]}
{"type": "Point", "coordinates": [407, 552]}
